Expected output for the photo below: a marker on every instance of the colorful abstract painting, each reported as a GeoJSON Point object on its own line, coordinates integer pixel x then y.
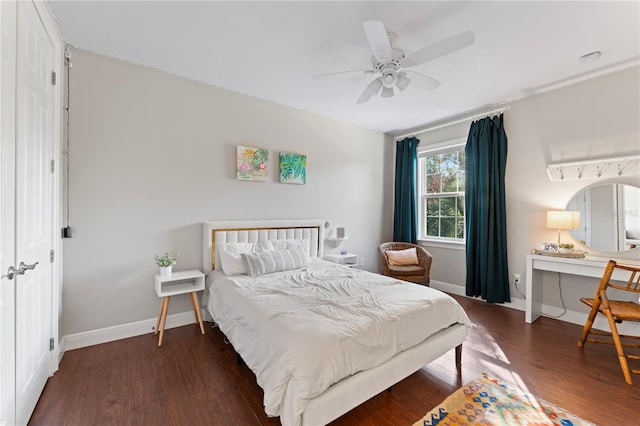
{"type": "Point", "coordinates": [293, 168]}
{"type": "Point", "coordinates": [252, 163]}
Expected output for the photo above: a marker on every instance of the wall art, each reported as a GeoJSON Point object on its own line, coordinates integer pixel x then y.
{"type": "Point", "coordinates": [293, 168]}
{"type": "Point", "coordinates": [252, 163]}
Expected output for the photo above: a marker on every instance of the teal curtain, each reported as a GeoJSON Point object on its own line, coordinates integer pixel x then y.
{"type": "Point", "coordinates": [486, 216]}
{"type": "Point", "coordinates": [405, 212]}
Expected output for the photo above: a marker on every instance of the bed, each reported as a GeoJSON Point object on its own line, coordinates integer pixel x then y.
{"type": "Point", "coordinates": [321, 338]}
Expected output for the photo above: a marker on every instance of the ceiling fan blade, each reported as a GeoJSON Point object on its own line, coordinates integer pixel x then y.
{"type": "Point", "coordinates": [422, 81]}
{"type": "Point", "coordinates": [378, 40]}
{"type": "Point", "coordinates": [440, 48]}
{"type": "Point", "coordinates": [372, 89]}
{"type": "Point", "coordinates": [341, 74]}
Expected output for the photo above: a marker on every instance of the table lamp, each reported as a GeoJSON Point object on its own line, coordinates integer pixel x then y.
{"type": "Point", "coordinates": [563, 219]}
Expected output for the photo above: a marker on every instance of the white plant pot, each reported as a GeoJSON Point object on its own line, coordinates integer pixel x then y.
{"type": "Point", "coordinates": [566, 250]}
{"type": "Point", "coordinates": [165, 271]}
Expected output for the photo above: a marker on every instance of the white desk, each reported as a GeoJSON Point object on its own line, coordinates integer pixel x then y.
{"type": "Point", "coordinates": [582, 267]}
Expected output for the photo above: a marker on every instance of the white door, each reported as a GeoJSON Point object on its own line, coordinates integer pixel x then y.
{"type": "Point", "coordinates": [7, 214]}
{"type": "Point", "coordinates": [34, 213]}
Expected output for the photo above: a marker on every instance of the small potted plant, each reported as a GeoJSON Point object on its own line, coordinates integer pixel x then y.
{"type": "Point", "coordinates": [166, 263]}
{"type": "Point", "coordinates": [566, 248]}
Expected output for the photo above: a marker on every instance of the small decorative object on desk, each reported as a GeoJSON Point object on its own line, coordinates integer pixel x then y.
{"type": "Point", "coordinates": [343, 252]}
{"type": "Point", "coordinates": [166, 263]}
{"type": "Point", "coordinates": [566, 248]}
{"type": "Point", "coordinates": [549, 247]}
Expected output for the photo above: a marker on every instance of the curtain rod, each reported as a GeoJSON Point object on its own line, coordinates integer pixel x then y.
{"type": "Point", "coordinates": [451, 122]}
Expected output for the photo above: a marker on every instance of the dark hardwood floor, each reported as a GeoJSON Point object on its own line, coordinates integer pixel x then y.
{"type": "Point", "coordinates": [195, 380]}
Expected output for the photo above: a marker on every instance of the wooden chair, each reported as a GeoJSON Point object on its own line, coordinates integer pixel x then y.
{"type": "Point", "coordinates": [415, 273]}
{"type": "Point", "coordinates": [616, 311]}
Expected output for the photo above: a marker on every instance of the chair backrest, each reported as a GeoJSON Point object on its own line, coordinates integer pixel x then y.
{"type": "Point", "coordinates": [395, 245]}
{"type": "Point", "coordinates": [633, 283]}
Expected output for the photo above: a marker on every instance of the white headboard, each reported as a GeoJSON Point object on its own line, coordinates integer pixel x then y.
{"type": "Point", "coordinates": [239, 231]}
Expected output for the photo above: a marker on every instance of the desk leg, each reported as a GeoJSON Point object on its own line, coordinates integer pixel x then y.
{"type": "Point", "coordinates": [533, 304]}
{"type": "Point", "coordinates": [196, 310]}
{"type": "Point", "coordinates": [165, 308]}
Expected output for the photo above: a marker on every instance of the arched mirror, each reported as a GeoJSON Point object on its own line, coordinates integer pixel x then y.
{"type": "Point", "coordinates": [610, 217]}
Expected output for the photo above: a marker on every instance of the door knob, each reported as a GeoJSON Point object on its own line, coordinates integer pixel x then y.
{"type": "Point", "coordinates": [23, 267]}
{"type": "Point", "coordinates": [11, 272]}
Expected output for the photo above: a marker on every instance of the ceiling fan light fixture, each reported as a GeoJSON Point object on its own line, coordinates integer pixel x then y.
{"type": "Point", "coordinates": [387, 92]}
{"type": "Point", "coordinates": [403, 81]}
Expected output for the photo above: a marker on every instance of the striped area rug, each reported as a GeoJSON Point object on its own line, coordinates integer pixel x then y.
{"type": "Point", "coordinates": [490, 401]}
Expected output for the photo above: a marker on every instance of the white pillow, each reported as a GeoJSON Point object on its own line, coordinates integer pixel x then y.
{"type": "Point", "coordinates": [231, 257]}
{"type": "Point", "coordinates": [275, 261]}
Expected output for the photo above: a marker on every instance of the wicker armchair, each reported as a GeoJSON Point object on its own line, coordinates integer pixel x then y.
{"type": "Point", "coordinates": [414, 273]}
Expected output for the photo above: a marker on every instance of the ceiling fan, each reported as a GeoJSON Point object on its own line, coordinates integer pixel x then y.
{"type": "Point", "coordinates": [391, 64]}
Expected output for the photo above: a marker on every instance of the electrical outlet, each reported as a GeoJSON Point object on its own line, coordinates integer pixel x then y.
{"type": "Point", "coordinates": [516, 279]}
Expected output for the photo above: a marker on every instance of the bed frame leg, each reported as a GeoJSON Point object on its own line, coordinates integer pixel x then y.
{"type": "Point", "coordinates": [459, 356]}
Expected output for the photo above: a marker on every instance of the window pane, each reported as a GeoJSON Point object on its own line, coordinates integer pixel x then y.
{"type": "Point", "coordinates": [460, 207]}
{"type": "Point", "coordinates": [433, 225]}
{"type": "Point", "coordinates": [448, 227]}
{"type": "Point", "coordinates": [448, 206]}
{"type": "Point", "coordinates": [433, 184]}
{"type": "Point", "coordinates": [449, 162]}
{"type": "Point", "coordinates": [449, 183]}
{"type": "Point", "coordinates": [432, 164]}
{"type": "Point", "coordinates": [460, 228]}
{"type": "Point", "coordinates": [433, 207]}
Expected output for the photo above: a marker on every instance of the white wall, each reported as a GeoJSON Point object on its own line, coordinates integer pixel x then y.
{"type": "Point", "coordinates": [592, 119]}
{"type": "Point", "coordinates": [153, 156]}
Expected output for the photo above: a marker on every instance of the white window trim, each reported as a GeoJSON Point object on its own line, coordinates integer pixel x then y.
{"type": "Point", "coordinates": [443, 243]}
{"type": "Point", "coordinates": [429, 150]}
{"type": "Point", "coordinates": [440, 147]}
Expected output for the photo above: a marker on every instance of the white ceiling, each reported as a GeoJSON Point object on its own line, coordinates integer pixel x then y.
{"type": "Point", "coordinates": [271, 50]}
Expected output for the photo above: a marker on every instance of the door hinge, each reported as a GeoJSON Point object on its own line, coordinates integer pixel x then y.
{"type": "Point", "coordinates": [53, 78]}
{"type": "Point", "coordinates": [51, 343]}
{"type": "Point", "coordinates": [51, 255]}
{"type": "Point", "coordinates": [53, 166]}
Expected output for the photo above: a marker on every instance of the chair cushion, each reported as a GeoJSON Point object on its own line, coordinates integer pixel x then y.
{"type": "Point", "coordinates": [403, 257]}
{"type": "Point", "coordinates": [406, 270]}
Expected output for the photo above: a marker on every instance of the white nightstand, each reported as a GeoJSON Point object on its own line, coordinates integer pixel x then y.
{"type": "Point", "coordinates": [178, 283]}
{"type": "Point", "coordinates": [350, 259]}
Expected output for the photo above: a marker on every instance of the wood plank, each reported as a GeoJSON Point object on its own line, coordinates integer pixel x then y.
{"type": "Point", "coordinates": [194, 378]}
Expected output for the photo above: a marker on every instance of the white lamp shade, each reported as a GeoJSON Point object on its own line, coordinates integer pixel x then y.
{"type": "Point", "coordinates": [563, 219]}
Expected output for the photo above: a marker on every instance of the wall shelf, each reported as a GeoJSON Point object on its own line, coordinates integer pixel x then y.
{"type": "Point", "coordinates": [595, 169]}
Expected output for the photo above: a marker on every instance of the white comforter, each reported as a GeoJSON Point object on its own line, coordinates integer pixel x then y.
{"type": "Point", "coordinates": [301, 331]}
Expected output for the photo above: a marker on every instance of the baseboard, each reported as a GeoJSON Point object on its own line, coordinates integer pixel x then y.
{"type": "Point", "coordinates": [573, 317]}
{"type": "Point", "coordinates": [109, 334]}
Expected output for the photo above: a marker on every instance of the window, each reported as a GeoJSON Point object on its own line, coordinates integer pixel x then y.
{"type": "Point", "coordinates": [441, 192]}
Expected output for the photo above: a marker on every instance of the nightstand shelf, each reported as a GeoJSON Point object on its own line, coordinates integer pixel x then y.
{"type": "Point", "coordinates": [178, 283]}
{"type": "Point", "coordinates": [343, 259]}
